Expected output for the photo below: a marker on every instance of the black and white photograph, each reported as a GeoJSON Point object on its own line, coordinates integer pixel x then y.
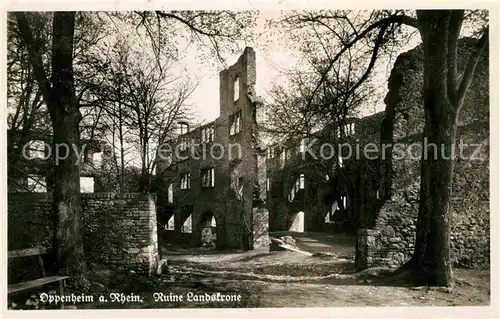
{"type": "Point", "coordinates": [270, 157]}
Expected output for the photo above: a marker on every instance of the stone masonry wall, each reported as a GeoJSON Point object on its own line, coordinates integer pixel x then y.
{"type": "Point", "coordinates": [261, 228]}
{"type": "Point", "coordinates": [391, 240]}
{"type": "Point", "coordinates": [119, 230]}
{"type": "Point", "coordinates": [231, 197]}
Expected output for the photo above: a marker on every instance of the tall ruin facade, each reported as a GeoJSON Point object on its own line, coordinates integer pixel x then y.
{"type": "Point", "coordinates": [209, 188]}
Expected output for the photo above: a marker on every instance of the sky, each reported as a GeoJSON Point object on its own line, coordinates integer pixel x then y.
{"type": "Point", "coordinates": [272, 57]}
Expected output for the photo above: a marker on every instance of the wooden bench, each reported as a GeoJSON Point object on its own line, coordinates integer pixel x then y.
{"type": "Point", "coordinates": [26, 285]}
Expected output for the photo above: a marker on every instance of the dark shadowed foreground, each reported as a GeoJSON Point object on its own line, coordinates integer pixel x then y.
{"type": "Point", "coordinates": [272, 279]}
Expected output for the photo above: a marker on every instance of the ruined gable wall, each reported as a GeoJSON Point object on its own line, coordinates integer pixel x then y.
{"type": "Point", "coordinates": [391, 240]}
{"type": "Point", "coordinates": [228, 208]}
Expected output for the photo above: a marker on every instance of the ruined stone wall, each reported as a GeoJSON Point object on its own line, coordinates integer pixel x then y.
{"type": "Point", "coordinates": [390, 241]}
{"type": "Point", "coordinates": [356, 180]}
{"type": "Point", "coordinates": [119, 230]}
{"type": "Point", "coordinates": [261, 228]}
{"type": "Point", "coordinates": [244, 169]}
{"type": "Point", "coordinates": [232, 206]}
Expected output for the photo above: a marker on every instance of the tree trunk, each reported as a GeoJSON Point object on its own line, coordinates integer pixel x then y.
{"type": "Point", "coordinates": [443, 98]}
{"type": "Point", "coordinates": [431, 258]}
{"type": "Point", "coordinates": [432, 248]}
{"type": "Point", "coordinates": [65, 120]}
{"type": "Point", "coordinates": [65, 115]}
{"type": "Point", "coordinates": [122, 147]}
{"type": "Point", "coordinates": [67, 201]}
{"type": "Point", "coordinates": [143, 181]}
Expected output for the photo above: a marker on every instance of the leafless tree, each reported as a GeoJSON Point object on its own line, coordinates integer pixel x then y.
{"type": "Point", "coordinates": [58, 92]}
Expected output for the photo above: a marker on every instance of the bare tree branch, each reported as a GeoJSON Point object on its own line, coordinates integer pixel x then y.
{"type": "Point", "coordinates": [471, 68]}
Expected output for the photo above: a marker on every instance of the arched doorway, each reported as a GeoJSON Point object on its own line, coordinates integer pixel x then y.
{"type": "Point", "coordinates": [171, 223]}
{"type": "Point", "coordinates": [185, 221]}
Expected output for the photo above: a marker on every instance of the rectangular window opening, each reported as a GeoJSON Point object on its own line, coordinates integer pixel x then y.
{"type": "Point", "coordinates": [270, 152]}
{"type": "Point", "coordinates": [208, 178]}
{"type": "Point", "coordinates": [236, 89]}
{"type": "Point", "coordinates": [183, 143]}
{"type": "Point", "coordinates": [235, 123]}
{"type": "Point", "coordinates": [207, 134]}
{"type": "Point", "coordinates": [186, 181]}
{"type": "Point", "coordinates": [302, 147]}
{"type": "Point", "coordinates": [298, 185]}
{"type": "Point", "coordinates": [86, 184]}
{"type": "Point", "coordinates": [283, 157]}
{"type": "Point", "coordinates": [170, 196]}
{"type": "Point", "coordinates": [182, 128]}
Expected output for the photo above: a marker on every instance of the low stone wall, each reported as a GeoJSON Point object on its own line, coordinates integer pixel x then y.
{"type": "Point", "coordinates": [391, 241]}
{"type": "Point", "coordinates": [118, 230]}
{"type": "Point", "coordinates": [29, 220]}
{"type": "Point", "coordinates": [121, 230]}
